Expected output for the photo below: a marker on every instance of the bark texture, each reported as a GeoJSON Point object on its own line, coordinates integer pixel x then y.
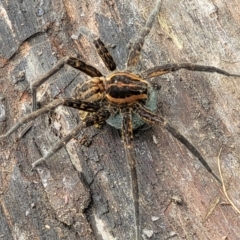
{"type": "Point", "coordinates": [83, 192]}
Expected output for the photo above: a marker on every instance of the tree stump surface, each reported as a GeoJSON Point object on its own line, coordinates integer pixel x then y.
{"type": "Point", "coordinates": [84, 192]}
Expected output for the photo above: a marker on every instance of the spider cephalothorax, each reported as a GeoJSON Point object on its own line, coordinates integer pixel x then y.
{"type": "Point", "coordinates": [123, 99]}
{"type": "Point", "coordinates": [118, 90]}
{"type": "Point", "coordinates": [124, 89]}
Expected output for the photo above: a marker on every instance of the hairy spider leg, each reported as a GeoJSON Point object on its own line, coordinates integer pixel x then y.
{"type": "Point", "coordinates": [153, 118]}
{"type": "Point", "coordinates": [97, 118]}
{"type": "Point", "coordinates": [73, 62]}
{"type": "Point", "coordinates": [81, 105]}
{"type": "Point", "coordinates": [100, 47]}
{"type": "Point", "coordinates": [134, 54]}
{"type": "Point", "coordinates": [127, 134]}
{"type": "Point", "coordinates": [172, 67]}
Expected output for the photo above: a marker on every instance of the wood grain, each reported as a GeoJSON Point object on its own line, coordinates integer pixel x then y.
{"type": "Point", "coordinates": [83, 192]}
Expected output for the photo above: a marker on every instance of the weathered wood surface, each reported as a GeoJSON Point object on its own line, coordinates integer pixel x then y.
{"type": "Point", "coordinates": [83, 193]}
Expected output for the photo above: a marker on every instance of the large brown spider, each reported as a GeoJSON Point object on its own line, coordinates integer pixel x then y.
{"type": "Point", "coordinates": [123, 99]}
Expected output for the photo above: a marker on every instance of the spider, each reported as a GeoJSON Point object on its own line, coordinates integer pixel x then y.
{"type": "Point", "coordinates": [124, 99]}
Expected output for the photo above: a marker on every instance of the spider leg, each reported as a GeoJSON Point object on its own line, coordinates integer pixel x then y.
{"type": "Point", "coordinates": [100, 47]}
{"type": "Point", "coordinates": [85, 106]}
{"type": "Point", "coordinates": [73, 62]}
{"type": "Point", "coordinates": [172, 67]}
{"type": "Point", "coordinates": [97, 118]}
{"type": "Point", "coordinates": [153, 118]}
{"type": "Point", "coordinates": [135, 51]}
{"type": "Point", "coordinates": [127, 134]}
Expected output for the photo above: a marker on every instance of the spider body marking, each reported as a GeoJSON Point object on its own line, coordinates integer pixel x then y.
{"type": "Point", "coordinates": [123, 99]}
{"type": "Point", "coordinates": [118, 90]}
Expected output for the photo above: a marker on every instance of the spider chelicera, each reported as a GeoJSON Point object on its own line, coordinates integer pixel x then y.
{"type": "Point", "coordinates": [124, 99]}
